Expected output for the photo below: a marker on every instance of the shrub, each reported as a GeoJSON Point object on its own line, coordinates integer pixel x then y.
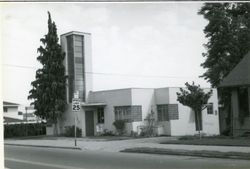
{"type": "Point", "coordinates": [107, 133]}
{"type": "Point", "coordinates": [70, 131]}
{"type": "Point", "coordinates": [148, 130]}
{"type": "Point", "coordinates": [226, 132]}
{"type": "Point", "coordinates": [21, 130]}
{"type": "Point", "coordinates": [120, 126]}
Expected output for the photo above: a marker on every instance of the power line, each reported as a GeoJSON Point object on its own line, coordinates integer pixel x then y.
{"type": "Point", "coordinates": [113, 74]}
{"type": "Point", "coordinates": [137, 75]}
{"type": "Point", "coordinates": [19, 66]}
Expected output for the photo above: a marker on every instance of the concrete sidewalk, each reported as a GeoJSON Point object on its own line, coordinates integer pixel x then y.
{"type": "Point", "coordinates": [118, 145]}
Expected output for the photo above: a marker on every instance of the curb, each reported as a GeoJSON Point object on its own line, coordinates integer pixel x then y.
{"type": "Point", "coordinates": [28, 145]}
{"type": "Point", "coordinates": [198, 153]}
{"type": "Point", "coordinates": [190, 144]}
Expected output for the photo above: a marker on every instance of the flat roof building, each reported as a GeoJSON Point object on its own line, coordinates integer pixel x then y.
{"type": "Point", "coordinates": [99, 109]}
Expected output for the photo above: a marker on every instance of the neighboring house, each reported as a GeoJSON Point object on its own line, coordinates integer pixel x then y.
{"type": "Point", "coordinates": [14, 113]}
{"type": "Point", "coordinates": [238, 80]}
{"type": "Point", "coordinates": [29, 115]}
{"type": "Point", "coordinates": [99, 109]}
{"type": "Point", "coordinates": [12, 110]}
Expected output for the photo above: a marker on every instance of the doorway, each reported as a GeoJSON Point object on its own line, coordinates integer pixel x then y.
{"type": "Point", "coordinates": [89, 123]}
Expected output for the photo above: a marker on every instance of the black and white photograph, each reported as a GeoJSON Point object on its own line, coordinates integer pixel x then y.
{"type": "Point", "coordinates": [125, 85]}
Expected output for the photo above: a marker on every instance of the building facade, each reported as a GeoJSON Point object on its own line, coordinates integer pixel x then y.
{"type": "Point", "coordinates": [12, 110]}
{"type": "Point", "coordinates": [238, 82]}
{"type": "Point", "coordinates": [99, 109]}
{"type": "Point", "coordinates": [78, 64]}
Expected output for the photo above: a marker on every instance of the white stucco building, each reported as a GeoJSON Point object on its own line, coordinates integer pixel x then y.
{"type": "Point", "coordinates": [12, 110]}
{"type": "Point", "coordinates": [99, 109]}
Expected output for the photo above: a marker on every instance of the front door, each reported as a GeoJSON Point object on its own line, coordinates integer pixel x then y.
{"type": "Point", "coordinates": [89, 122]}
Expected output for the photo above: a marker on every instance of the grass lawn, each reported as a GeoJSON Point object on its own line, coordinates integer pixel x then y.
{"type": "Point", "coordinates": [212, 141]}
{"type": "Point", "coordinates": [199, 153]}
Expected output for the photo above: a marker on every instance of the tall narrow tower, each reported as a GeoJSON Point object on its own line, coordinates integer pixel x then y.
{"type": "Point", "coordinates": [78, 64]}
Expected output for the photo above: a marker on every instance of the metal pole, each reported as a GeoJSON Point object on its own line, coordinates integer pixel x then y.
{"type": "Point", "coordinates": [75, 129]}
{"type": "Point", "coordinates": [26, 127]}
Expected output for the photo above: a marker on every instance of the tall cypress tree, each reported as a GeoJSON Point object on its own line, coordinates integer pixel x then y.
{"type": "Point", "coordinates": [49, 89]}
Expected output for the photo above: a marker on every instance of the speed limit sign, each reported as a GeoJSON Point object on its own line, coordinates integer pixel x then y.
{"type": "Point", "coordinates": [76, 104]}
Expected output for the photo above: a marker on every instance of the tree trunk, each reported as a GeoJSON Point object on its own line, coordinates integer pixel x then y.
{"type": "Point", "coordinates": [55, 129]}
{"type": "Point", "coordinates": [199, 129]}
{"type": "Point", "coordinates": [198, 122]}
{"type": "Point", "coordinates": [55, 125]}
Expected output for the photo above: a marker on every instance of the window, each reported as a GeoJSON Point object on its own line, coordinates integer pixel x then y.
{"type": "Point", "coordinates": [78, 38]}
{"type": "Point", "coordinates": [210, 108]}
{"type": "Point", "coordinates": [173, 111]}
{"type": "Point", "coordinates": [128, 113]}
{"type": "Point", "coordinates": [78, 60]}
{"type": "Point", "coordinates": [5, 109]}
{"type": "Point", "coordinates": [162, 112]}
{"type": "Point", "coordinates": [20, 113]}
{"type": "Point", "coordinates": [100, 115]}
{"type": "Point", "coordinates": [166, 112]}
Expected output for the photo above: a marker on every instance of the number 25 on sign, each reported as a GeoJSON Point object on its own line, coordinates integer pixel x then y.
{"type": "Point", "coordinates": [76, 106]}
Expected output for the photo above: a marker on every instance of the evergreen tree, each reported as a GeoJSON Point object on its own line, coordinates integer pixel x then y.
{"type": "Point", "coordinates": [228, 33]}
{"type": "Point", "coordinates": [195, 98]}
{"type": "Point", "coordinates": [49, 89]}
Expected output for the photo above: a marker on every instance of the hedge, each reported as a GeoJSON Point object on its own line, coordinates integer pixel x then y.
{"type": "Point", "coordinates": [70, 131]}
{"type": "Point", "coordinates": [20, 130]}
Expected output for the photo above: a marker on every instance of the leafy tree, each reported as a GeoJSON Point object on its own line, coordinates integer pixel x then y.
{"type": "Point", "coordinates": [48, 90]}
{"type": "Point", "coordinates": [228, 34]}
{"type": "Point", "coordinates": [195, 98]}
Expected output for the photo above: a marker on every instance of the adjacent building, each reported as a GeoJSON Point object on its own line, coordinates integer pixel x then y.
{"type": "Point", "coordinates": [99, 109]}
{"type": "Point", "coordinates": [238, 81]}
{"type": "Point", "coordinates": [12, 111]}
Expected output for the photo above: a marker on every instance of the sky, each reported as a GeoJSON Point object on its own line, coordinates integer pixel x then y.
{"type": "Point", "coordinates": [146, 45]}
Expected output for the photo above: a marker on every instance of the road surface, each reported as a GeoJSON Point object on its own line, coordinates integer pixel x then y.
{"type": "Point", "coordinates": [18, 157]}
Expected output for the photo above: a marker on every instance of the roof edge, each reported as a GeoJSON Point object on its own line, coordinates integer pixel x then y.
{"type": "Point", "coordinates": [75, 33]}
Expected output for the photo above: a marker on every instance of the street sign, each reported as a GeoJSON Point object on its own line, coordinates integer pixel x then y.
{"type": "Point", "coordinates": [76, 104]}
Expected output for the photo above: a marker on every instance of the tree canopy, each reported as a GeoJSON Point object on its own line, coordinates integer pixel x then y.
{"type": "Point", "coordinates": [48, 89]}
{"type": "Point", "coordinates": [195, 98]}
{"type": "Point", "coordinates": [228, 34]}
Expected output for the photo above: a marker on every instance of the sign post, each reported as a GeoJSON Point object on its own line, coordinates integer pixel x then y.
{"type": "Point", "coordinates": [76, 106]}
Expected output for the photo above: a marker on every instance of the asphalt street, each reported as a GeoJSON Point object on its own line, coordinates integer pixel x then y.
{"type": "Point", "coordinates": [18, 157]}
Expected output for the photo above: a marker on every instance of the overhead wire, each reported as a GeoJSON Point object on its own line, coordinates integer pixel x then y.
{"type": "Point", "coordinates": [111, 74]}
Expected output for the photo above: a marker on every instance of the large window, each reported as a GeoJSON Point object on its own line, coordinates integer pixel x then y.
{"type": "Point", "coordinates": [166, 112]}
{"type": "Point", "coordinates": [128, 113]}
{"type": "Point", "coordinates": [162, 112]}
{"type": "Point", "coordinates": [210, 108]}
{"type": "Point", "coordinates": [100, 115]}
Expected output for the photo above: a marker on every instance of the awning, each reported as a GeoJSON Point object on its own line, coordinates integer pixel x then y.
{"type": "Point", "coordinates": [93, 104]}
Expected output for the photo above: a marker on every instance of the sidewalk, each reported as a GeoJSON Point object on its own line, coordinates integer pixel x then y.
{"type": "Point", "coordinates": [119, 145]}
